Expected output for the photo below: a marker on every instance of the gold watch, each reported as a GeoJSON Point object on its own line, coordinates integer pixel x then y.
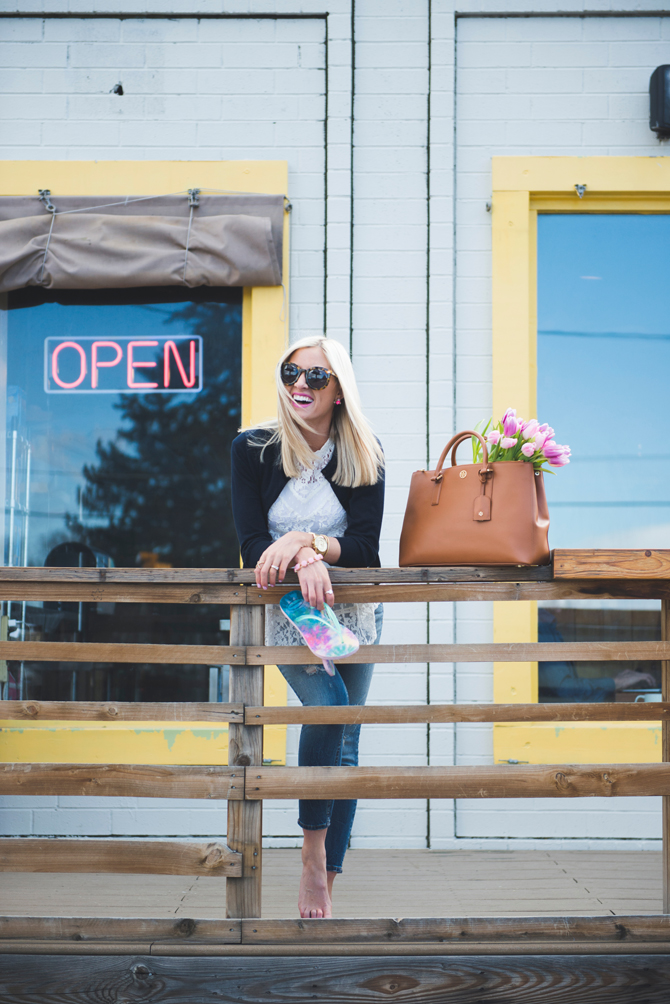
{"type": "Point", "coordinates": [320, 544]}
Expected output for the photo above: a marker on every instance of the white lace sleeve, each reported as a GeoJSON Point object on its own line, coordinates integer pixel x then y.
{"type": "Point", "coordinates": [309, 503]}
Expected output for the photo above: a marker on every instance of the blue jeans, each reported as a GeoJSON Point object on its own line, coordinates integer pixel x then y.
{"type": "Point", "coordinates": [331, 745]}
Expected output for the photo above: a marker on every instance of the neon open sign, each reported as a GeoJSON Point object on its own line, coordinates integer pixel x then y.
{"type": "Point", "coordinates": [126, 365]}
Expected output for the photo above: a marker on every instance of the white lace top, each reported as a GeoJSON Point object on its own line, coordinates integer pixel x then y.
{"type": "Point", "coordinates": [308, 503]}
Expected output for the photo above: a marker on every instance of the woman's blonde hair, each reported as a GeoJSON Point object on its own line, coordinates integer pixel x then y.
{"type": "Point", "coordinates": [359, 455]}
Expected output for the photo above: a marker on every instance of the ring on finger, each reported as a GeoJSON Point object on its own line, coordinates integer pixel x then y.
{"type": "Point", "coordinates": [330, 591]}
{"type": "Point", "coordinates": [276, 567]}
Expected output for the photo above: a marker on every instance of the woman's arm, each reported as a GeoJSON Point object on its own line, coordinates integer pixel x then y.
{"type": "Point", "coordinates": [248, 515]}
{"type": "Point", "coordinates": [359, 545]}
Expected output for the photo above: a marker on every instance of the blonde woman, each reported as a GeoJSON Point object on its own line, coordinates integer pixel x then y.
{"type": "Point", "coordinates": [308, 492]}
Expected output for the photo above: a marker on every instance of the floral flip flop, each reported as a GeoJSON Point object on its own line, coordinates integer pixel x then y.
{"type": "Point", "coordinates": [323, 633]}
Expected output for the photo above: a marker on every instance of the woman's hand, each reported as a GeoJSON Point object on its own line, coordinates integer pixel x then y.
{"type": "Point", "coordinates": [314, 580]}
{"type": "Point", "coordinates": [274, 561]}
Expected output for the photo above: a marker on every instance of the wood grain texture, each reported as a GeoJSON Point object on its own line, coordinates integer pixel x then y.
{"type": "Point", "coordinates": [501, 930]}
{"type": "Point", "coordinates": [227, 932]}
{"type": "Point", "coordinates": [532, 781]}
{"type": "Point", "coordinates": [196, 949]}
{"type": "Point", "coordinates": [120, 711]}
{"type": "Point", "coordinates": [612, 564]}
{"type": "Point", "coordinates": [140, 857]}
{"type": "Point", "coordinates": [63, 651]}
{"type": "Point", "coordinates": [456, 980]}
{"type": "Point", "coordinates": [124, 780]}
{"type": "Point", "coordinates": [421, 713]}
{"type": "Point", "coordinates": [121, 592]}
{"type": "Point", "coordinates": [592, 651]}
{"type": "Point", "coordinates": [245, 747]}
{"type": "Point", "coordinates": [261, 655]}
{"type": "Point", "coordinates": [217, 576]}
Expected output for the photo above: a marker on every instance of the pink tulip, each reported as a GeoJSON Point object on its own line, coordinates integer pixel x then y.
{"type": "Point", "coordinates": [528, 450]}
{"type": "Point", "coordinates": [493, 437]}
{"type": "Point", "coordinates": [510, 422]}
{"type": "Point", "coordinates": [556, 455]}
{"type": "Point", "coordinates": [529, 428]}
{"type": "Point", "coordinates": [507, 443]}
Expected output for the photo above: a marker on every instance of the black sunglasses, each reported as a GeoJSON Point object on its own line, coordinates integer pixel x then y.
{"type": "Point", "coordinates": [316, 377]}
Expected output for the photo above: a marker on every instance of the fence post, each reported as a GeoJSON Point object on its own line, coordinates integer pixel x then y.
{"type": "Point", "coordinates": [665, 696]}
{"type": "Point", "coordinates": [245, 749]}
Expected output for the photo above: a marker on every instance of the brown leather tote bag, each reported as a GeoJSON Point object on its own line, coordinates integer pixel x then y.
{"type": "Point", "coordinates": [476, 514]}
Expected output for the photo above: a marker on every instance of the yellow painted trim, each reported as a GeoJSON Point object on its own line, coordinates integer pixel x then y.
{"type": "Point", "coordinates": [264, 336]}
{"type": "Point", "coordinates": [579, 742]}
{"type": "Point", "coordinates": [522, 187]}
{"type": "Point", "coordinates": [599, 174]}
{"type": "Point", "coordinates": [141, 177]}
{"type": "Point", "coordinates": [114, 742]}
{"type": "Point", "coordinates": [515, 682]}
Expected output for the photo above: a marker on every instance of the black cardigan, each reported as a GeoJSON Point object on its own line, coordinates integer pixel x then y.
{"type": "Point", "coordinates": [256, 485]}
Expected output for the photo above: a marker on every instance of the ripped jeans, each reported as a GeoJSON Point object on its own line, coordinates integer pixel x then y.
{"type": "Point", "coordinates": [331, 745]}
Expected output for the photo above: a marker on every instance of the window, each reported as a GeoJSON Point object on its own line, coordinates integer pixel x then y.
{"type": "Point", "coordinates": [120, 410]}
{"type": "Point", "coordinates": [530, 193]}
{"type": "Point", "coordinates": [603, 360]}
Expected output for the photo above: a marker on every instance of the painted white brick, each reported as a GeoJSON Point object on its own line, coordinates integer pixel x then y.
{"type": "Point", "coordinates": [16, 822]}
{"type": "Point", "coordinates": [72, 30]}
{"type": "Point", "coordinates": [21, 30]}
{"type": "Point", "coordinates": [98, 55]}
{"type": "Point", "coordinates": [149, 30]}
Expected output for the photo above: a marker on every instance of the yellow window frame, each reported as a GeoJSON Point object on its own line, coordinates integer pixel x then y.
{"type": "Point", "coordinates": [522, 188]}
{"type": "Point", "coordinates": [264, 337]}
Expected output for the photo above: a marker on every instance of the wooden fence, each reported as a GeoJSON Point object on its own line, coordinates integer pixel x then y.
{"type": "Point", "coordinates": [245, 782]}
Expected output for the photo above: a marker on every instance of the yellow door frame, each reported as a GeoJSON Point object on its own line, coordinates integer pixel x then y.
{"type": "Point", "coordinates": [522, 188]}
{"type": "Point", "coordinates": [264, 337]}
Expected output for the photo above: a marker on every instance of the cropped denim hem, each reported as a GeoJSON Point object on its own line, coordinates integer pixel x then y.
{"type": "Point", "coordinates": [314, 826]}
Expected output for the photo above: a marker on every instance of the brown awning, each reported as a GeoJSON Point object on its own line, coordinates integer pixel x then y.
{"type": "Point", "coordinates": [105, 242]}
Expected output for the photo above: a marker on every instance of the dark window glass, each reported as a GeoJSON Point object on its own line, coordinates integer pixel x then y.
{"type": "Point", "coordinates": [120, 410]}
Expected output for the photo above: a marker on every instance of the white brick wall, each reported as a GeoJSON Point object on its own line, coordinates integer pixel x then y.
{"type": "Point", "coordinates": [255, 88]}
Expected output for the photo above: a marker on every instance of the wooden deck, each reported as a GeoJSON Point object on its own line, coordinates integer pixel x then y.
{"type": "Point", "coordinates": [379, 883]}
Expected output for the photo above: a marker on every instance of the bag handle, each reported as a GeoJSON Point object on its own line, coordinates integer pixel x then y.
{"type": "Point", "coordinates": [454, 442]}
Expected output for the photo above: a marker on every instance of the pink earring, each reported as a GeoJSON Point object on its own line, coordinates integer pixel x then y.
{"type": "Point", "coordinates": [338, 401]}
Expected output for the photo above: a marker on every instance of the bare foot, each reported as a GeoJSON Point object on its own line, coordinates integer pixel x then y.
{"type": "Point", "coordinates": [313, 897]}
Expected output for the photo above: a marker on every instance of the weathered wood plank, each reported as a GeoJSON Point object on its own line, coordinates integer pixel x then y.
{"type": "Point", "coordinates": [517, 930]}
{"type": "Point", "coordinates": [227, 932]}
{"type": "Point", "coordinates": [532, 781]}
{"type": "Point", "coordinates": [140, 857]}
{"type": "Point", "coordinates": [602, 563]}
{"type": "Point", "coordinates": [245, 747]}
{"type": "Point", "coordinates": [120, 711]}
{"type": "Point", "coordinates": [422, 713]}
{"type": "Point", "coordinates": [124, 780]}
{"type": "Point", "coordinates": [592, 651]}
{"type": "Point", "coordinates": [112, 592]}
{"type": "Point", "coordinates": [564, 589]}
{"type": "Point", "coordinates": [160, 592]}
{"type": "Point", "coordinates": [260, 655]}
{"type": "Point", "coordinates": [193, 949]}
{"type": "Point", "coordinates": [215, 576]}
{"type": "Point", "coordinates": [541, 979]}
{"type": "Point", "coordinates": [206, 576]}
{"type": "Point", "coordinates": [62, 651]}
